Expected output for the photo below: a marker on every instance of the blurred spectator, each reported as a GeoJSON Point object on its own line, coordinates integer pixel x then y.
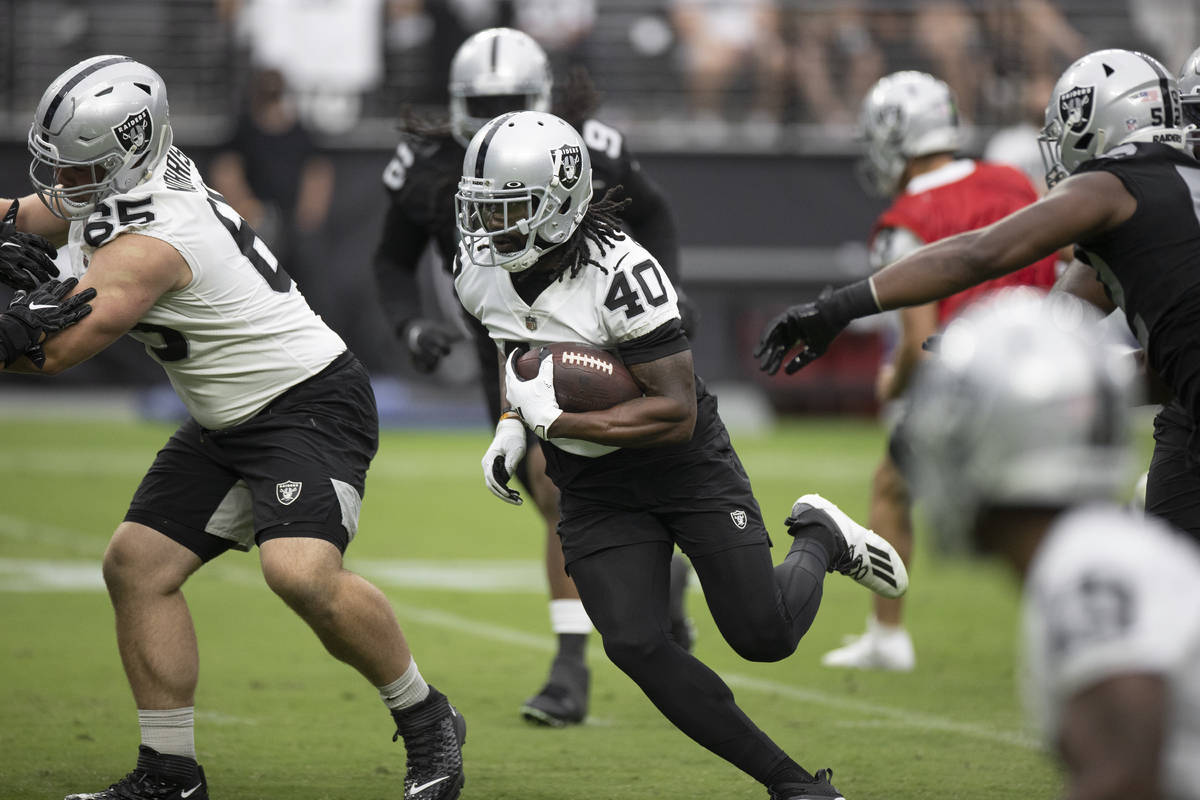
{"type": "Point", "coordinates": [561, 27]}
{"type": "Point", "coordinates": [271, 172]}
{"type": "Point", "coordinates": [329, 51]}
{"type": "Point", "coordinates": [719, 40]}
{"type": "Point", "coordinates": [828, 42]}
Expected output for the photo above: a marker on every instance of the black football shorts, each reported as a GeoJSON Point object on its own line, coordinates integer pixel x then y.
{"type": "Point", "coordinates": [295, 469]}
{"type": "Point", "coordinates": [701, 501]}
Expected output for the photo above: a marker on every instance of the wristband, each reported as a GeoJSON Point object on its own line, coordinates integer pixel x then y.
{"type": "Point", "coordinates": [851, 302]}
{"type": "Point", "coordinates": [509, 413]}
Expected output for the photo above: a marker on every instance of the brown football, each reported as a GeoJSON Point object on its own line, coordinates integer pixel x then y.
{"type": "Point", "coordinates": [586, 378]}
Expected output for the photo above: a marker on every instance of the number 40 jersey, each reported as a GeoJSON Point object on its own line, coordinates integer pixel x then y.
{"type": "Point", "coordinates": [240, 333]}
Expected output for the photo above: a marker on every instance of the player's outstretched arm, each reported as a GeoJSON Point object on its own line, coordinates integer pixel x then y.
{"type": "Point", "coordinates": [1076, 209]}
{"type": "Point", "coordinates": [33, 217]}
{"type": "Point", "coordinates": [129, 274]}
{"type": "Point", "coordinates": [1111, 738]}
{"type": "Point", "coordinates": [26, 259]}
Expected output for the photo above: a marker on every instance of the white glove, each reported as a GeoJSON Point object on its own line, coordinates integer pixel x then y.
{"type": "Point", "coordinates": [533, 399]}
{"type": "Point", "coordinates": [506, 451]}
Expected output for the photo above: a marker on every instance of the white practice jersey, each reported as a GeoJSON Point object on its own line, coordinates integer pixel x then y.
{"type": "Point", "coordinates": [240, 333]}
{"type": "Point", "coordinates": [1111, 592]}
{"type": "Point", "coordinates": [628, 296]}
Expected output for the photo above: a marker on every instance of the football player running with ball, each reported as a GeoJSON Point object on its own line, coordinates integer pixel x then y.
{"type": "Point", "coordinates": [493, 72]}
{"type": "Point", "coordinates": [282, 420]}
{"type": "Point", "coordinates": [540, 262]}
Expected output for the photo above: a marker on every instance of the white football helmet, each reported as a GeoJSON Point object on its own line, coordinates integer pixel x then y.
{"type": "Point", "coordinates": [107, 115]}
{"type": "Point", "coordinates": [904, 115]}
{"type": "Point", "coordinates": [1189, 98]}
{"type": "Point", "coordinates": [526, 184]}
{"type": "Point", "coordinates": [1023, 403]}
{"type": "Point", "coordinates": [496, 71]}
{"type": "Point", "coordinates": [1105, 99]}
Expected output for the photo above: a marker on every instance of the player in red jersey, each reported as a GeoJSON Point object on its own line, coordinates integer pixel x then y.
{"type": "Point", "coordinates": [910, 127]}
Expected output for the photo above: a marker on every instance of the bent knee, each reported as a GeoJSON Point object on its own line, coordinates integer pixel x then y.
{"type": "Point", "coordinates": [764, 649]}
{"type": "Point", "coordinates": [139, 558]}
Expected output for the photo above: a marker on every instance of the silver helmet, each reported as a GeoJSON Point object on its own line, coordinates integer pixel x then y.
{"type": "Point", "coordinates": [1105, 99]}
{"type": "Point", "coordinates": [496, 71]}
{"type": "Point", "coordinates": [526, 184]}
{"type": "Point", "coordinates": [106, 115]}
{"type": "Point", "coordinates": [1024, 403]}
{"type": "Point", "coordinates": [904, 115]}
{"type": "Point", "coordinates": [1189, 97]}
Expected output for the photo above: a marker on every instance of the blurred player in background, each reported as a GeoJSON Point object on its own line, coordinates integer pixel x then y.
{"type": "Point", "coordinates": [282, 423]}
{"type": "Point", "coordinates": [540, 262]}
{"type": "Point", "coordinates": [1017, 443]}
{"type": "Point", "coordinates": [496, 71]}
{"type": "Point", "coordinates": [1125, 189]}
{"type": "Point", "coordinates": [910, 127]}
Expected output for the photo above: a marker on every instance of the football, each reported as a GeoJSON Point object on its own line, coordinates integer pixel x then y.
{"type": "Point", "coordinates": [586, 378]}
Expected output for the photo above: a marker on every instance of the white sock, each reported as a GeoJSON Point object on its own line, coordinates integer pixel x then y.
{"type": "Point", "coordinates": [170, 731]}
{"type": "Point", "coordinates": [568, 616]}
{"type": "Point", "coordinates": [407, 690]}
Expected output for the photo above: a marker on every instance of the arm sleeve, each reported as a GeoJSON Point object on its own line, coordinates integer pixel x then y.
{"type": "Point", "coordinates": [665, 340]}
{"type": "Point", "coordinates": [395, 266]}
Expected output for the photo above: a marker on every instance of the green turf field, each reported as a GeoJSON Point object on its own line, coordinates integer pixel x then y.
{"type": "Point", "coordinates": [277, 718]}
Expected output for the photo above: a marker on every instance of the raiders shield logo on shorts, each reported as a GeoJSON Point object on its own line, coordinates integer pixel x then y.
{"type": "Point", "coordinates": [287, 492]}
{"type": "Point", "coordinates": [739, 518]}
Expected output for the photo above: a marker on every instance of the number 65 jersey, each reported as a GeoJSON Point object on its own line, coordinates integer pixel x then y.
{"type": "Point", "coordinates": [240, 333]}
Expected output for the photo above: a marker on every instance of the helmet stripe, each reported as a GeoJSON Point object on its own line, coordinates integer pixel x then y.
{"type": "Point", "coordinates": [481, 156]}
{"type": "Point", "coordinates": [75, 80]}
{"type": "Point", "coordinates": [1164, 86]}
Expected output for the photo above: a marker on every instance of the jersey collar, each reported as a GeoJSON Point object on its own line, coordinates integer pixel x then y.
{"type": "Point", "coordinates": [948, 173]}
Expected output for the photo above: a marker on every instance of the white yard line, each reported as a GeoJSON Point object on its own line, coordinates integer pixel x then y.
{"type": "Point", "coordinates": [31, 575]}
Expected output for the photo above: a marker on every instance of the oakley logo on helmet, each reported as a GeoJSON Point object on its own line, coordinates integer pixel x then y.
{"type": "Point", "coordinates": [135, 132]}
{"type": "Point", "coordinates": [569, 159]}
{"type": "Point", "coordinates": [1075, 108]}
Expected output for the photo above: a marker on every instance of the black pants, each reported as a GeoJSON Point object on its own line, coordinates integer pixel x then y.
{"type": "Point", "coordinates": [762, 611]}
{"type": "Point", "coordinates": [1173, 486]}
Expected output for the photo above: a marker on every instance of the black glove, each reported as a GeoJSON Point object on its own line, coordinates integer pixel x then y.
{"type": "Point", "coordinates": [26, 259]}
{"type": "Point", "coordinates": [33, 315]}
{"type": "Point", "coordinates": [689, 313]}
{"type": "Point", "coordinates": [814, 324]}
{"type": "Point", "coordinates": [428, 341]}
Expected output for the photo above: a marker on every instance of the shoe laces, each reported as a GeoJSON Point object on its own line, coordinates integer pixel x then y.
{"type": "Point", "coordinates": [139, 785]}
{"type": "Point", "coordinates": [853, 566]}
{"type": "Point", "coordinates": [429, 750]}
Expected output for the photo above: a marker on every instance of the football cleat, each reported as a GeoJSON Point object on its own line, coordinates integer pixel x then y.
{"type": "Point", "coordinates": [433, 733]}
{"type": "Point", "coordinates": [868, 558]}
{"type": "Point", "coordinates": [883, 647]}
{"type": "Point", "coordinates": [564, 699]}
{"type": "Point", "coordinates": [157, 776]}
{"type": "Point", "coordinates": [819, 788]}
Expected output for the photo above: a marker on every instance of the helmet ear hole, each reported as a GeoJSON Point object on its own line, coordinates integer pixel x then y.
{"type": "Point", "coordinates": [1083, 142]}
{"type": "Point", "coordinates": [566, 205]}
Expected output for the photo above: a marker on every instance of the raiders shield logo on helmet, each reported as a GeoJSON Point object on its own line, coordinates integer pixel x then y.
{"type": "Point", "coordinates": [1075, 108]}
{"type": "Point", "coordinates": [134, 133]}
{"type": "Point", "coordinates": [286, 492]}
{"type": "Point", "coordinates": [568, 158]}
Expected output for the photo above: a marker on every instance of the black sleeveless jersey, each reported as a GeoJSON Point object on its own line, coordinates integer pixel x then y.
{"type": "Point", "coordinates": [1150, 264]}
{"type": "Point", "coordinates": [423, 175]}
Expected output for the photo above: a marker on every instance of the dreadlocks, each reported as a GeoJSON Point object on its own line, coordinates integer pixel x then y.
{"type": "Point", "coordinates": [601, 225]}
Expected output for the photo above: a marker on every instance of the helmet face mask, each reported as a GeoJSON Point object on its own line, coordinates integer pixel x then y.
{"type": "Point", "coordinates": [1024, 404]}
{"type": "Point", "coordinates": [905, 115]}
{"type": "Point", "coordinates": [526, 185]}
{"type": "Point", "coordinates": [101, 127]}
{"type": "Point", "coordinates": [496, 71]}
{"type": "Point", "coordinates": [1103, 100]}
